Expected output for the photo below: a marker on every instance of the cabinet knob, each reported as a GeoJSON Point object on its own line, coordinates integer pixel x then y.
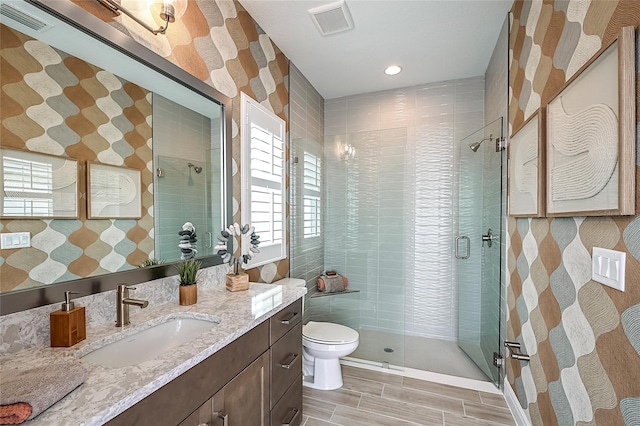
{"type": "Point", "coordinates": [288, 365]}
{"type": "Point", "coordinates": [287, 320]}
{"type": "Point", "coordinates": [224, 417]}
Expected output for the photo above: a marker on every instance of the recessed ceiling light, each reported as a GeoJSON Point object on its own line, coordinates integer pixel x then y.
{"type": "Point", "coordinates": [392, 70]}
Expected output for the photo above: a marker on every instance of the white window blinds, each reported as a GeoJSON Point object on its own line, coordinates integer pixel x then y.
{"type": "Point", "coordinates": [263, 179]}
{"type": "Point", "coordinates": [28, 187]}
{"type": "Point", "coordinates": [311, 195]}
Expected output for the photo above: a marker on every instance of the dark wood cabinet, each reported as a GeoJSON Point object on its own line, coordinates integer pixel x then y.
{"type": "Point", "coordinates": [284, 321]}
{"type": "Point", "coordinates": [286, 366]}
{"type": "Point", "coordinates": [286, 363]}
{"type": "Point", "coordinates": [288, 410]}
{"type": "Point", "coordinates": [255, 380]}
{"type": "Point", "coordinates": [242, 401]}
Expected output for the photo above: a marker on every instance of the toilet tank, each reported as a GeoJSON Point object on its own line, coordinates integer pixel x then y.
{"type": "Point", "coordinates": [295, 282]}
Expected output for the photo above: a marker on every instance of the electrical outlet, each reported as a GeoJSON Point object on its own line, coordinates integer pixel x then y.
{"type": "Point", "coordinates": [15, 240]}
{"type": "Point", "coordinates": [608, 267]}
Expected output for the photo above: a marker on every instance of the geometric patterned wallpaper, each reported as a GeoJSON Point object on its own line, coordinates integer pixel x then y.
{"type": "Point", "coordinates": [219, 43]}
{"type": "Point", "coordinates": [54, 103]}
{"type": "Point", "coordinates": [583, 337]}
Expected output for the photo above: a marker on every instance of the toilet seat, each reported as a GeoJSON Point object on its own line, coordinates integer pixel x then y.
{"type": "Point", "coordinates": [329, 333]}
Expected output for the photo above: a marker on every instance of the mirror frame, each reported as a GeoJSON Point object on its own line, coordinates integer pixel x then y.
{"type": "Point", "coordinates": [69, 13]}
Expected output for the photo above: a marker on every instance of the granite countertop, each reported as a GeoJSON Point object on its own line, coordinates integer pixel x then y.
{"type": "Point", "coordinates": [109, 391]}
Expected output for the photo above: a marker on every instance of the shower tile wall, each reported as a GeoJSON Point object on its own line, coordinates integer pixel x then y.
{"type": "Point", "coordinates": [391, 228]}
{"type": "Point", "coordinates": [363, 193]}
{"type": "Point", "coordinates": [307, 134]}
{"type": "Point", "coordinates": [184, 192]}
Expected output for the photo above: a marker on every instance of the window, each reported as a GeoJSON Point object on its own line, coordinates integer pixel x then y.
{"type": "Point", "coordinates": [28, 187]}
{"type": "Point", "coordinates": [311, 195]}
{"type": "Point", "coordinates": [263, 179]}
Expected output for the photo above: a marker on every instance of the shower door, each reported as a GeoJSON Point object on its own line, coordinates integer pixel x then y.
{"type": "Point", "coordinates": [478, 245]}
{"type": "Point", "coordinates": [182, 196]}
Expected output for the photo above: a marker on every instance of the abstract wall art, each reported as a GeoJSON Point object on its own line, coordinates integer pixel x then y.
{"type": "Point", "coordinates": [526, 168]}
{"type": "Point", "coordinates": [113, 192]}
{"type": "Point", "coordinates": [591, 136]}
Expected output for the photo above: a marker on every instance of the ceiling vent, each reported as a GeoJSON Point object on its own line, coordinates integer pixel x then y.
{"type": "Point", "coordinates": [23, 18]}
{"type": "Point", "coordinates": [332, 18]}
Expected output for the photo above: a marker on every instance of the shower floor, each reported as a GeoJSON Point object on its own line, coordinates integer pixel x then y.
{"type": "Point", "coordinates": [420, 353]}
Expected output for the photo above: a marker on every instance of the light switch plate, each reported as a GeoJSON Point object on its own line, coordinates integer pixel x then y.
{"type": "Point", "coordinates": [608, 267]}
{"type": "Point", "coordinates": [14, 240]}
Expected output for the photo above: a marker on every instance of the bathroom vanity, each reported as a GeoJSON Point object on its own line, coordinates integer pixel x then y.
{"type": "Point", "coordinates": [246, 368]}
{"type": "Point", "coordinates": [255, 380]}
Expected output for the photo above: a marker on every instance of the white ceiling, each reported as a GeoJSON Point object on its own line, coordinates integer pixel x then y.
{"type": "Point", "coordinates": [433, 40]}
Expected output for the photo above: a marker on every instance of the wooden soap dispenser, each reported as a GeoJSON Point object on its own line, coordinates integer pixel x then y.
{"type": "Point", "coordinates": [68, 325]}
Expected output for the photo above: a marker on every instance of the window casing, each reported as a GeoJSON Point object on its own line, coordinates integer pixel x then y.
{"type": "Point", "coordinates": [263, 179]}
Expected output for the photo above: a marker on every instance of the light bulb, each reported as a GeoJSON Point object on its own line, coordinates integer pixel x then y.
{"type": "Point", "coordinates": [172, 9]}
{"type": "Point", "coordinates": [392, 70]}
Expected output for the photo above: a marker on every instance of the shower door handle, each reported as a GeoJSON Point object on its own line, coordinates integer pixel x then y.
{"type": "Point", "coordinates": [468, 254]}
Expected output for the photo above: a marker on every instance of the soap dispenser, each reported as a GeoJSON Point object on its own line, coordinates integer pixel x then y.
{"type": "Point", "coordinates": [68, 325]}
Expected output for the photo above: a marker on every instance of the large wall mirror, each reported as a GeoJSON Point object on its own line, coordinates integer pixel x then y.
{"type": "Point", "coordinates": [107, 153]}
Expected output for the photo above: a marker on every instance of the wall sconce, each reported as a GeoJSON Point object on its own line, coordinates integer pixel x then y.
{"type": "Point", "coordinates": [168, 10]}
{"type": "Point", "coordinates": [348, 153]}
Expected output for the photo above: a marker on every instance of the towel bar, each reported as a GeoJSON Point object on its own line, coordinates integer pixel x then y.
{"type": "Point", "coordinates": [513, 346]}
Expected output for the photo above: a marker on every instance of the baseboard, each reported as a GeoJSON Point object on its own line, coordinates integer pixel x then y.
{"type": "Point", "coordinates": [423, 375]}
{"type": "Point", "coordinates": [514, 405]}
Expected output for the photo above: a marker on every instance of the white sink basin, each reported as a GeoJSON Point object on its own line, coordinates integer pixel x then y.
{"type": "Point", "coordinates": [149, 343]}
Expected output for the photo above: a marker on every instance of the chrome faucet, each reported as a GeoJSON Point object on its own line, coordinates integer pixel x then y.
{"type": "Point", "coordinates": [123, 302]}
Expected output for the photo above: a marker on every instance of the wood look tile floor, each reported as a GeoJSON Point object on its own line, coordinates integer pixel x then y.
{"type": "Point", "coordinates": [371, 398]}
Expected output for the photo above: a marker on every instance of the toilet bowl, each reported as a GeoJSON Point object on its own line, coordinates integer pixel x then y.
{"type": "Point", "coordinates": [323, 343]}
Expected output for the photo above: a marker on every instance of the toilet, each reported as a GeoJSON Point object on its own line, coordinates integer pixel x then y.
{"type": "Point", "coordinates": [323, 343]}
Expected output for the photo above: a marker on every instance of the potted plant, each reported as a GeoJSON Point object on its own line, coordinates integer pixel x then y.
{"type": "Point", "coordinates": [188, 273]}
{"type": "Point", "coordinates": [151, 261]}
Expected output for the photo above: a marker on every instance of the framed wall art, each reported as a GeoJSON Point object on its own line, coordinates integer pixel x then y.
{"type": "Point", "coordinates": [526, 168]}
{"type": "Point", "coordinates": [38, 186]}
{"type": "Point", "coordinates": [113, 192]}
{"type": "Point", "coordinates": [591, 136]}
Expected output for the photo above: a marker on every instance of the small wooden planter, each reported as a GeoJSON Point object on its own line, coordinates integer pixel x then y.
{"type": "Point", "coordinates": [188, 294]}
{"type": "Point", "coordinates": [237, 282]}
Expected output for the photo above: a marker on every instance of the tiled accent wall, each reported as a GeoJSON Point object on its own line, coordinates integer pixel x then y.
{"type": "Point", "coordinates": [306, 114]}
{"type": "Point", "coordinates": [583, 337]}
{"type": "Point", "coordinates": [496, 105]}
{"type": "Point", "coordinates": [90, 115]}
{"type": "Point", "coordinates": [407, 139]}
{"type": "Point", "coordinates": [219, 43]}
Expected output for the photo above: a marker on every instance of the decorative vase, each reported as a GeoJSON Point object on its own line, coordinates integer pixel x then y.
{"type": "Point", "coordinates": [188, 294]}
{"type": "Point", "coordinates": [237, 282]}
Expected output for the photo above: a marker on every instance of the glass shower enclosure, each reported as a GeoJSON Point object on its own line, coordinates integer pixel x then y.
{"type": "Point", "coordinates": [478, 245]}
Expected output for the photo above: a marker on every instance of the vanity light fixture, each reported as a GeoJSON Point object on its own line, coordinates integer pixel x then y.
{"type": "Point", "coordinates": [348, 153]}
{"type": "Point", "coordinates": [392, 70]}
{"type": "Point", "coordinates": [168, 10]}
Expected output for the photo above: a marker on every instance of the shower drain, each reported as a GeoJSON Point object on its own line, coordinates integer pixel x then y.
{"type": "Point", "coordinates": [388, 350]}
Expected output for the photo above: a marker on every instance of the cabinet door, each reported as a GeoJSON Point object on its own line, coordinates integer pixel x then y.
{"type": "Point", "coordinates": [245, 399]}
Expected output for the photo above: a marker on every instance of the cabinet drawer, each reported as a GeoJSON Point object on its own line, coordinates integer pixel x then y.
{"type": "Point", "coordinates": [286, 362]}
{"type": "Point", "coordinates": [288, 411]}
{"type": "Point", "coordinates": [285, 320]}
